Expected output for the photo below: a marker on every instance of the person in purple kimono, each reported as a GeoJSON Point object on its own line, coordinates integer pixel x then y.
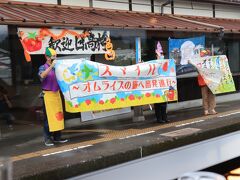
{"type": "Point", "coordinates": [52, 104]}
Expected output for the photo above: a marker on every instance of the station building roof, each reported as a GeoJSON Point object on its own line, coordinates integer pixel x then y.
{"type": "Point", "coordinates": [45, 15]}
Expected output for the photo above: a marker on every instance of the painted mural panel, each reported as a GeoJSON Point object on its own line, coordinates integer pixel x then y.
{"type": "Point", "coordinates": [184, 50]}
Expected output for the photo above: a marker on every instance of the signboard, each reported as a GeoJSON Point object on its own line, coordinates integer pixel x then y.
{"type": "Point", "coordinates": [91, 86]}
{"type": "Point", "coordinates": [64, 41]}
{"type": "Point", "coordinates": [183, 50]}
{"type": "Point", "coordinates": [216, 73]}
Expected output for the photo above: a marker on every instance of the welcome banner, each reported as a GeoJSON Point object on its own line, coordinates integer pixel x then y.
{"type": "Point", "coordinates": [64, 41]}
{"type": "Point", "coordinates": [216, 73]}
{"type": "Point", "coordinates": [91, 86]}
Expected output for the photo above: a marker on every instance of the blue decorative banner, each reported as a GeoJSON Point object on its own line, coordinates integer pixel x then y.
{"type": "Point", "coordinates": [184, 50]}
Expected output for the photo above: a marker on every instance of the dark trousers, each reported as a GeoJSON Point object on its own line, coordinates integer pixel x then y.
{"type": "Point", "coordinates": [161, 111]}
{"type": "Point", "coordinates": [5, 113]}
{"type": "Point", "coordinates": [46, 133]}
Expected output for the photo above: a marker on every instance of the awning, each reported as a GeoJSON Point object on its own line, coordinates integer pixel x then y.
{"type": "Point", "coordinates": [229, 25]}
{"type": "Point", "coordinates": [44, 15]}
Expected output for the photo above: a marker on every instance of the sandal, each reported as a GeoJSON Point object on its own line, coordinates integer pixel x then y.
{"type": "Point", "coordinates": [213, 112]}
{"type": "Point", "coordinates": [206, 113]}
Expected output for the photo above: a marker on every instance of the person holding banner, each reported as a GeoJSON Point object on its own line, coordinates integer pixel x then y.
{"type": "Point", "coordinates": [160, 108]}
{"type": "Point", "coordinates": [208, 98]}
{"type": "Point", "coordinates": [161, 112]}
{"type": "Point", "coordinates": [52, 103]}
{"type": "Point", "coordinates": [5, 106]}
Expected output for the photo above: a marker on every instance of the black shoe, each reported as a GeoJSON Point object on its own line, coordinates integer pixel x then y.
{"type": "Point", "coordinates": [60, 141]}
{"type": "Point", "coordinates": [160, 121]}
{"type": "Point", "coordinates": [48, 142]}
{"type": "Point", "coordinates": [167, 120]}
{"type": "Point", "coordinates": [10, 126]}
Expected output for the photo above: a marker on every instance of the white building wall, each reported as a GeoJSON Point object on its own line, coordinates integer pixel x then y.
{"type": "Point", "coordinates": [180, 7]}
{"type": "Point", "coordinates": [196, 9]}
{"type": "Point", "coordinates": [157, 7]}
{"type": "Point", "coordinates": [141, 5]}
{"type": "Point", "coordinates": [113, 4]}
{"type": "Point", "coordinates": [75, 2]}
{"type": "Point", "coordinates": [228, 11]}
{"type": "Point", "coordinates": [39, 1]}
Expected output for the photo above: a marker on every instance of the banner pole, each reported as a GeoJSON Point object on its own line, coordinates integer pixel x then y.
{"type": "Point", "coordinates": [137, 110]}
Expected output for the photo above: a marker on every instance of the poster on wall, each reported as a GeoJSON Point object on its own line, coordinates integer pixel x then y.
{"type": "Point", "coordinates": [216, 73]}
{"type": "Point", "coordinates": [91, 86]}
{"type": "Point", "coordinates": [183, 50]}
{"type": "Point", "coordinates": [65, 41]}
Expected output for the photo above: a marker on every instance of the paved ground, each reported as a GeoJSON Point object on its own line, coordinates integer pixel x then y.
{"type": "Point", "coordinates": [94, 146]}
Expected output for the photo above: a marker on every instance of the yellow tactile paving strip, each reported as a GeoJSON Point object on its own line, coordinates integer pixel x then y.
{"type": "Point", "coordinates": [108, 135]}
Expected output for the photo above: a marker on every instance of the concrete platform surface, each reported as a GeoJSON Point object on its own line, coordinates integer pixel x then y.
{"type": "Point", "coordinates": [102, 144]}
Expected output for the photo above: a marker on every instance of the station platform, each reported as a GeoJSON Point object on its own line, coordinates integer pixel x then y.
{"type": "Point", "coordinates": [97, 145]}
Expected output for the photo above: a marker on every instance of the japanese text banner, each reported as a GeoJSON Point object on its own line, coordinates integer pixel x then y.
{"type": "Point", "coordinates": [89, 86]}
{"type": "Point", "coordinates": [216, 73]}
{"type": "Point", "coordinates": [64, 41]}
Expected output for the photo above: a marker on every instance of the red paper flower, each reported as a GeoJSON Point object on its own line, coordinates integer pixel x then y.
{"type": "Point", "coordinates": [112, 100]}
{"type": "Point", "coordinates": [131, 97]}
{"type": "Point", "coordinates": [101, 102]}
{"type": "Point", "coordinates": [88, 101]}
{"type": "Point", "coordinates": [147, 94]}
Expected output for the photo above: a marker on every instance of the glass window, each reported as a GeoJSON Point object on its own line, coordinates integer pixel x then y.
{"type": "Point", "coordinates": [233, 53]}
{"type": "Point", "coordinates": [229, 46]}
{"type": "Point", "coordinates": [5, 61]}
{"type": "Point", "coordinates": [124, 46]}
